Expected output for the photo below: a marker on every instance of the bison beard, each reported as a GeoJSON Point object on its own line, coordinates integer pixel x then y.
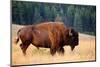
{"type": "Point", "coordinates": [53, 35]}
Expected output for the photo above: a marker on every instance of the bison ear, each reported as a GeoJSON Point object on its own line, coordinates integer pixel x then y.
{"type": "Point", "coordinates": [70, 32]}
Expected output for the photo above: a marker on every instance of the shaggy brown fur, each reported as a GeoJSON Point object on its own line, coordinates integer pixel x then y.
{"type": "Point", "coordinates": [53, 35]}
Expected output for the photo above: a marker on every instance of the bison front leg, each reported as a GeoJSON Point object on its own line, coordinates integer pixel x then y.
{"type": "Point", "coordinates": [52, 51]}
{"type": "Point", "coordinates": [72, 48]}
{"type": "Point", "coordinates": [61, 50]}
{"type": "Point", "coordinates": [53, 43]}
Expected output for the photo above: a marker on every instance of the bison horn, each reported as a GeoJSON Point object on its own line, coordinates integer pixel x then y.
{"type": "Point", "coordinates": [70, 33]}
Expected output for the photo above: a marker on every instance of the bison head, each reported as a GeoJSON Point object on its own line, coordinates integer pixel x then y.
{"type": "Point", "coordinates": [72, 38]}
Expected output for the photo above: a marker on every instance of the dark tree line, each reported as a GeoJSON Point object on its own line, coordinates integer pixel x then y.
{"type": "Point", "coordinates": [80, 17]}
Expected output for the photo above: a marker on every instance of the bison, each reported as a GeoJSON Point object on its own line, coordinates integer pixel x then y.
{"type": "Point", "coordinates": [53, 35]}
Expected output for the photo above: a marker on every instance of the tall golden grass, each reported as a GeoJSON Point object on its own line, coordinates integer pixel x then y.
{"type": "Point", "coordinates": [85, 51]}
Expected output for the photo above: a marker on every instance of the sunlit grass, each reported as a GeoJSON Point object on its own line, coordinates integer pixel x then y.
{"type": "Point", "coordinates": [85, 51]}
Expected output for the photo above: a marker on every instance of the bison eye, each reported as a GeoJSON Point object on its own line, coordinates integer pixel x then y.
{"type": "Point", "coordinates": [72, 38]}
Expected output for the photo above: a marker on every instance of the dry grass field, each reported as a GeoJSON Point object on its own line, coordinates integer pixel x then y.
{"type": "Point", "coordinates": [85, 51]}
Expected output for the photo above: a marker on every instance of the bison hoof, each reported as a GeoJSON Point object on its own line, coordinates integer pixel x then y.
{"type": "Point", "coordinates": [61, 51]}
{"type": "Point", "coordinates": [52, 52]}
{"type": "Point", "coordinates": [72, 48]}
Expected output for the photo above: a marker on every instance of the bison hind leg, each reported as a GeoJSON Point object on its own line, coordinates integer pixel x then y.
{"type": "Point", "coordinates": [38, 48]}
{"type": "Point", "coordinates": [24, 47]}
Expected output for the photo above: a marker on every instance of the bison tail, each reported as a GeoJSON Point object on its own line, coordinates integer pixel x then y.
{"type": "Point", "coordinates": [16, 40]}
